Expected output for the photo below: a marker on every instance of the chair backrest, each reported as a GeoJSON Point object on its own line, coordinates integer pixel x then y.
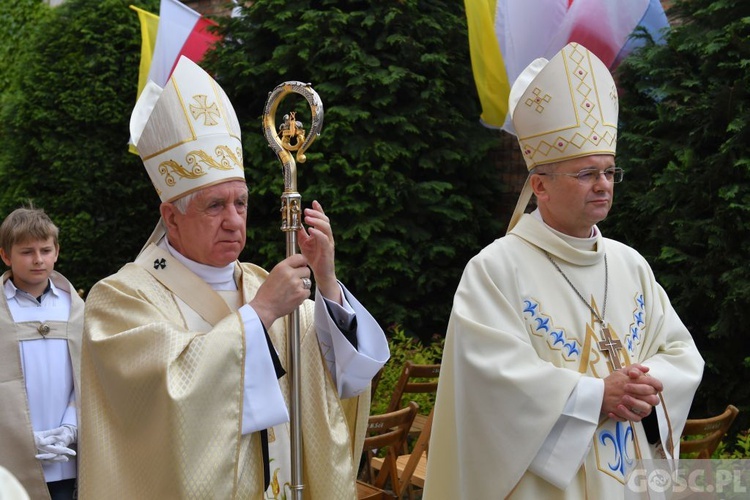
{"type": "Point", "coordinates": [376, 381]}
{"type": "Point", "coordinates": [388, 432]}
{"type": "Point", "coordinates": [703, 435]}
{"type": "Point", "coordinates": [415, 466]}
{"type": "Point", "coordinates": [414, 379]}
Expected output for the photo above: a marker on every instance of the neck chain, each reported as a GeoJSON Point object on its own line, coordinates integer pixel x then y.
{"type": "Point", "coordinates": [608, 345]}
{"type": "Point", "coordinates": [606, 284]}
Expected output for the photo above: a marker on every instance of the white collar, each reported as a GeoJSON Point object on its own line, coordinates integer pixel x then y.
{"type": "Point", "coordinates": [579, 243]}
{"type": "Point", "coordinates": [11, 290]}
{"type": "Point", "coordinates": [219, 278]}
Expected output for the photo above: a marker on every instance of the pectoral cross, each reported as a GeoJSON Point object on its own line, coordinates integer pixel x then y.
{"type": "Point", "coordinates": [610, 347]}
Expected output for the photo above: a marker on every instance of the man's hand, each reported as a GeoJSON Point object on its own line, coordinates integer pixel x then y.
{"type": "Point", "coordinates": [630, 394]}
{"type": "Point", "coordinates": [283, 290]}
{"type": "Point", "coordinates": [317, 244]}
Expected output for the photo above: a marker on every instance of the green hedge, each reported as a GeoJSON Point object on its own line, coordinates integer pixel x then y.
{"type": "Point", "coordinates": [64, 128]}
{"type": "Point", "coordinates": [401, 164]}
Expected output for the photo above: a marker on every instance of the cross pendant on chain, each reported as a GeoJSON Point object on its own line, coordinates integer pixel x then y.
{"type": "Point", "coordinates": [610, 347]}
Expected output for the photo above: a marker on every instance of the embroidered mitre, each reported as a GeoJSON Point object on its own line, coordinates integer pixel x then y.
{"type": "Point", "coordinates": [561, 109]}
{"type": "Point", "coordinates": [565, 108]}
{"type": "Point", "coordinates": [187, 133]}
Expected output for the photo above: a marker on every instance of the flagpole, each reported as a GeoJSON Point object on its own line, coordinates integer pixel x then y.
{"type": "Point", "coordinates": [291, 137]}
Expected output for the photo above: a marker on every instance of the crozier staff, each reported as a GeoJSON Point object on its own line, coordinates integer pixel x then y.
{"type": "Point", "coordinates": [184, 388]}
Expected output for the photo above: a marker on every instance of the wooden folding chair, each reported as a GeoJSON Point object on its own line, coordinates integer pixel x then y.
{"type": "Point", "coordinates": [385, 432]}
{"type": "Point", "coordinates": [415, 379]}
{"type": "Point", "coordinates": [375, 381]}
{"type": "Point", "coordinates": [703, 435]}
{"type": "Point", "coordinates": [412, 467]}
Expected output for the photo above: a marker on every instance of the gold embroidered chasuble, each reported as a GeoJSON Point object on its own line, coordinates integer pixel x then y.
{"type": "Point", "coordinates": [17, 454]}
{"type": "Point", "coordinates": [519, 340]}
{"type": "Point", "coordinates": [162, 405]}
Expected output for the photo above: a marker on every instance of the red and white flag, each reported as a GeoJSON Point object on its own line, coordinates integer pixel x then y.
{"type": "Point", "coordinates": [177, 31]}
{"type": "Point", "coordinates": [182, 32]}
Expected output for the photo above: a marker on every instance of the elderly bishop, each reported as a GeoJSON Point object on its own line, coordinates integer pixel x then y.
{"type": "Point", "coordinates": [184, 389]}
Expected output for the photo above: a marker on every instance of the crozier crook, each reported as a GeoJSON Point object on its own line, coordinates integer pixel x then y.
{"type": "Point", "coordinates": [291, 137]}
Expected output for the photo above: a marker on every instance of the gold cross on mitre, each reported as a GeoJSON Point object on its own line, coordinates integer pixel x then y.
{"type": "Point", "coordinates": [611, 347]}
{"type": "Point", "coordinates": [210, 112]}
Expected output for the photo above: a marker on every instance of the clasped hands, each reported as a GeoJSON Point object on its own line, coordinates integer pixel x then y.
{"type": "Point", "coordinates": [54, 444]}
{"type": "Point", "coordinates": [630, 393]}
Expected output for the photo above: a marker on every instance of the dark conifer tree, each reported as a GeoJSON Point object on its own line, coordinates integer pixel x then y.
{"type": "Point", "coordinates": [685, 146]}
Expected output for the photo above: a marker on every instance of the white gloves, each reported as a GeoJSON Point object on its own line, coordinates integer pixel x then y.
{"type": "Point", "coordinates": [54, 443]}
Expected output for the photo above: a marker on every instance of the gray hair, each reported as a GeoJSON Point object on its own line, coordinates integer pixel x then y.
{"type": "Point", "coordinates": [545, 168]}
{"type": "Point", "coordinates": [182, 204]}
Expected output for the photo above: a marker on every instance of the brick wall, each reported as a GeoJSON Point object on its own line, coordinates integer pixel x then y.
{"type": "Point", "coordinates": [210, 7]}
{"type": "Point", "coordinates": [512, 172]}
{"type": "Point", "coordinates": [220, 7]}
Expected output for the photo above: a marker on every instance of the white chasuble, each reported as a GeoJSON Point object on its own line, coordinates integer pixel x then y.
{"type": "Point", "coordinates": [17, 453]}
{"type": "Point", "coordinates": [519, 342]}
{"type": "Point", "coordinates": [162, 403]}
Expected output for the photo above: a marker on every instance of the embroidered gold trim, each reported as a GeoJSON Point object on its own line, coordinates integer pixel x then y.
{"type": "Point", "coordinates": [199, 162]}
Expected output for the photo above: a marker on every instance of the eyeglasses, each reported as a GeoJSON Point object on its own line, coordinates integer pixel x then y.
{"type": "Point", "coordinates": [588, 176]}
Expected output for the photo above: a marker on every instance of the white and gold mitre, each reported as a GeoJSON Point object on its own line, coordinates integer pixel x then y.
{"type": "Point", "coordinates": [187, 134]}
{"type": "Point", "coordinates": [565, 108]}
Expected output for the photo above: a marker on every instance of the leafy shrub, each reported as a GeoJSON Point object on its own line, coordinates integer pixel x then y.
{"type": "Point", "coordinates": [740, 450]}
{"type": "Point", "coordinates": [405, 348]}
{"type": "Point", "coordinates": [18, 17]}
